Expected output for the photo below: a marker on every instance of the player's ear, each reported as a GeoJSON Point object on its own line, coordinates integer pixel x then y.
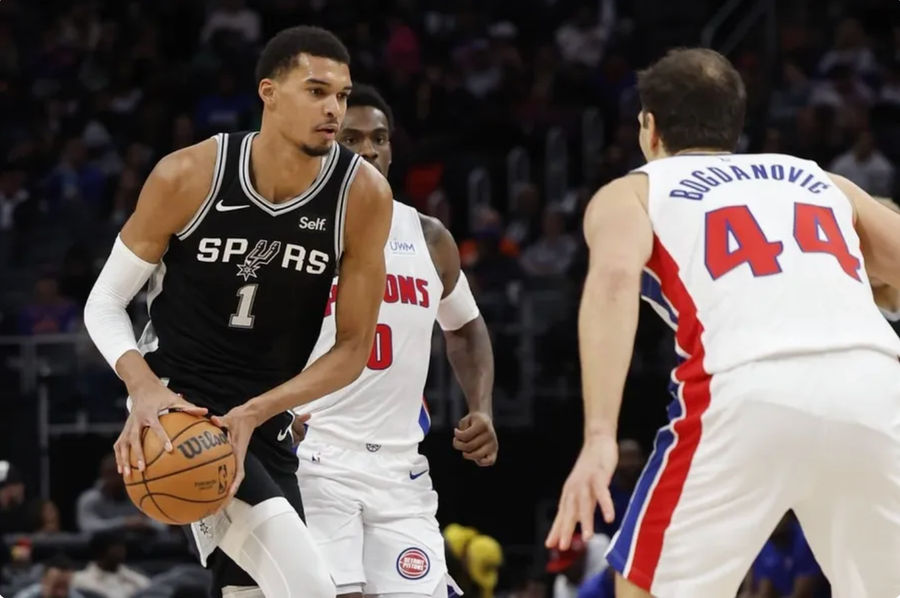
{"type": "Point", "coordinates": [648, 121]}
{"type": "Point", "coordinates": [266, 91]}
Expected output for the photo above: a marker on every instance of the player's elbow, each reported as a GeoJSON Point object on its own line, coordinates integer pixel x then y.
{"type": "Point", "coordinates": [355, 351]}
{"type": "Point", "coordinates": [613, 278]}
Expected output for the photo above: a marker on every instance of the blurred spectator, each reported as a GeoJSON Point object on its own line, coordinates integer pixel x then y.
{"type": "Point", "coordinates": [890, 88]}
{"type": "Point", "coordinates": [792, 94]}
{"type": "Point", "coordinates": [105, 574]}
{"type": "Point", "coordinates": [21, 571]}
{"type": "Point", "coordinates": [482, 71]}
{"type": "Point", "coordinates": [12, 194]}
{"type": "Point", "coordinates": [183, 133]}
{"type": "Point", "coordinates": [572, 567]}
{"type": "Point", "coordinates": [77, 276]}
{"type": "Point", "coordinates": [552, 254]}
{"type": "Point", "coordinates": [401, 52]}
{"type": "Point", "coordinates": [456, 539]}
{"type": "Point", "coordinates": [49, 312]}
{"type": "Point", "coordinates": [850, 49]}
{"type": "Point", "coordinates": [13, 512]}
{"type": "Point", "coordinates": [484, 556]}
{"type": "Point", "coordinates": [106, 506]}
{"type": "Point", "coordinates": [524, 226]}
{"type": "Point", "coordinates": [785, 567]}
{"type": "Point", "coordinates": [602, 585]}
{"type": "Point", "coordinates": [488, 255]}
{"type": "Point", "coordinates": [582, 39]}
{"type": "Point", "coordinates": [187, 581]}
{"type": "Point", "coordinates": [866, 166]}
{"type": "Point", "coordinates": [232, 16]}
{"type": "Point", "coordinates": [43, 517]}
{"type": "Point", "coordinates": [226, 109]}
{"type": "Point", "coordinates": [75, 179]}
{"type": "Point", "coordinates": [56, 582]}
{"type": "Point", "coordinates": [844, 91]}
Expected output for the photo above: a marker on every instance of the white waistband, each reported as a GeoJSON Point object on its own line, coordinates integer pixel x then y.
{"type": "Point", "coordinates": [319, 437]}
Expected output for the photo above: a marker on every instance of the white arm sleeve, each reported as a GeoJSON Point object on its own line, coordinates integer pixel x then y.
{"type": "Point", "coordinates": [458, 308]}
{"type": "Point", "coordinates": [105, 317]}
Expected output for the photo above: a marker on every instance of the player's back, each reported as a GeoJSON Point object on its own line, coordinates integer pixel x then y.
{"type": "Point", "coordinates": [755, 256]}
{"type": "Point", "coordinates": [384, 407]}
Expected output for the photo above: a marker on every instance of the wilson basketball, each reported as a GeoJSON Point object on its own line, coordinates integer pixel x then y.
{"type": "Point", "coordinates": [189, 483]}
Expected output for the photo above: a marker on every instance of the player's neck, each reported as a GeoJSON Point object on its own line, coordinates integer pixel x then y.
{"type": "Point", "coordinates": [279, 170]}
{"type": "Point", "coordinates": [700, 150]}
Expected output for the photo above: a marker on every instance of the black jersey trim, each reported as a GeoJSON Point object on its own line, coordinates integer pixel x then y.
{"type": "Point", "coordinates": [218, 175]}
{"type": "Point", "coordinates": [304, 198]}
{"type": "Point", "coordinates": [340, 213]}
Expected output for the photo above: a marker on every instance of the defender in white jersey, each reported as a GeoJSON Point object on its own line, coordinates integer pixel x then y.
{"type": "Point", "coordinates": [366, 489]}
{"type": "Point", "coordinates": [787, 395]}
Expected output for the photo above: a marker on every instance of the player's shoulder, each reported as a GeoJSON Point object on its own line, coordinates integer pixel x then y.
{"type": "Point", "coordinates": [188, 166]}
{"type": "Point", "coordinates": [434, 230]}
{"type": "Point", "coordinates": [369, 185]}
{"type": "Point", "coordinates": [632, 187]}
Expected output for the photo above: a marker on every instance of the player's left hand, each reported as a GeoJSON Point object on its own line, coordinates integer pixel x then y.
{"type": "Point", "coordinates": [239, 425]}
{"type": "Point", "coordinates": [475, 437]}
{"type": "Point", "coordinates": [587, 485]}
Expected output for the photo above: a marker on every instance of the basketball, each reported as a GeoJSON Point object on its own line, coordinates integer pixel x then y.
{"type": "Point", "coordinates": [189, 483]}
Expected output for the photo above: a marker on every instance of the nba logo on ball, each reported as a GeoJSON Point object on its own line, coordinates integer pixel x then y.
{"type": "Point", "coordinates": [413, 564]}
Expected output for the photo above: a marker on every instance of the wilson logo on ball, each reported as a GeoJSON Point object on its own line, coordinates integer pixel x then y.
{"type": "Point", "coordinates": [413, 564]}
{"type": "Point", "coordinates": [192, 447]}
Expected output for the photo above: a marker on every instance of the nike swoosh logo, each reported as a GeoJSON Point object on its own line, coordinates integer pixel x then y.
{"type": "Point", "coordinates": [414, 476]}
{"type": "Point", "coordinates": [220, 207]}
{"type": "Point", "coordinates": [283, 434]}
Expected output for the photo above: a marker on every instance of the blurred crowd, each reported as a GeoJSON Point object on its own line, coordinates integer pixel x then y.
{"type": "Point", "coordinates": [95, 92]}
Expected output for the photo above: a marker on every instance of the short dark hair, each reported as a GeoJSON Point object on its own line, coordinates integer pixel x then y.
{"type": "Point", "coordinates": [282, 50]}
{"type": "Point", "coordinates": [101, 542]}
{"type": "Point", "coordinates": [59, 561]}
{"type": "Point", "coordinates": [697, 99]}
{"type": "Point", "coordinates": [366, 95]}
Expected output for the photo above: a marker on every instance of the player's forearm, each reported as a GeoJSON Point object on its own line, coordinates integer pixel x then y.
{"type": "Point", "coordinates": [132, 368]}
{"type": "Point", "coordinates": [334, 370]}
{"type": "Point", "coordinates": [472, 358]}
{"type": "Point", "coordinates": [607, 322]}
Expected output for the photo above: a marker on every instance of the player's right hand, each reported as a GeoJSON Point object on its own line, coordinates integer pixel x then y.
{"type": "Point", "coordinates": [147, 403]}
{"type": "Point", "coordinates": [298, 428]}
{"type": "Point", "coordinates": [586, 487]}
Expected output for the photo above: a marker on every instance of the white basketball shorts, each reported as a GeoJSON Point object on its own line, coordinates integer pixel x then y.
{"type": "Point", "coordinates": [373, 514]}
{"type": "Point", "coordinates": [819, 434]}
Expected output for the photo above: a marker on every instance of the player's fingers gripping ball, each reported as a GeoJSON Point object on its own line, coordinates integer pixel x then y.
{"type": "Point", "coordinates": [193, 480]}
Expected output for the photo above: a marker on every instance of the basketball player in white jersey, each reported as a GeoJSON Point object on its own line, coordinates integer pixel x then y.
{"type": "Point", "coordinates": [788, 391]}
{"type": "Point", "coordinates": [366, 489]}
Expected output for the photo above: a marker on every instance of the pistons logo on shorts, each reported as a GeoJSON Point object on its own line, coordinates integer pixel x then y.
{"type": "Point", "coordinates": [413, 563]}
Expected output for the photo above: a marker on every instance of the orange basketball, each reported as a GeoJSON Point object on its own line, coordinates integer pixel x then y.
{"type": "Point", "coordinates": [189, 483]}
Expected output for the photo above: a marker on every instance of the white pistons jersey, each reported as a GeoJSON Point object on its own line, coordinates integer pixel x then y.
{"type": "Point", "coordinates": [385, 407]}
{"type": "Point", "coordinates": [755, 256]}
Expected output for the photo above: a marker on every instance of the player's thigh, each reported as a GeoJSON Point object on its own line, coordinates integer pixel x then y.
{"type": "Point", "coordinates": [258, 486]}
{"type": "Point", "coordinates": [714, 487]}
{"type": "Point", "coordinates": [405, 556]}
{"type": "Point", "coordinates": [334, 518]}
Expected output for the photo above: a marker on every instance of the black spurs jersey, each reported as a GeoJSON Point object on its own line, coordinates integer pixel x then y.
{"type": "Point", "coordinates": [236, 304]}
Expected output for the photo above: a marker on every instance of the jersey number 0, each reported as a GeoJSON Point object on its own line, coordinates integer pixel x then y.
{"type": "Point", "coordinates": [816, 230]}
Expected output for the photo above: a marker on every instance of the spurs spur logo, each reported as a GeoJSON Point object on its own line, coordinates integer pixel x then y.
{"type": "Point", "coordinates": [263, 253]}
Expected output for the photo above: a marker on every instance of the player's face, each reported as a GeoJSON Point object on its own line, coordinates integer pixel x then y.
{"type": "Point", "coordinates": [307, 103]}
{"type": "Point", "coordinates": [366, 132]}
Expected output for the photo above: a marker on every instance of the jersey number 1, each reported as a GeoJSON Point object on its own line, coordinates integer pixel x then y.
{"type": "Point", "coordinates": [243, 318]}
{"type": "Point", "coordinates": [733, 237]}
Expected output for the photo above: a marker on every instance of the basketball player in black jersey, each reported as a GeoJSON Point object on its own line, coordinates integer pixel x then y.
{"type": "Point", "coordinates": [240, 236]}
